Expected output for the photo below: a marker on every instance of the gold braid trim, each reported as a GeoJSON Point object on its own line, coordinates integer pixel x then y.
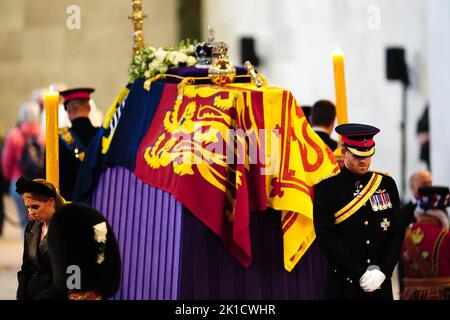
{"type": "Point", "coordinates": [66, 135]}
{"type": "Point", "coordinates": [184, 80]}
{"type": "Point", "coordinates": [357, 202]}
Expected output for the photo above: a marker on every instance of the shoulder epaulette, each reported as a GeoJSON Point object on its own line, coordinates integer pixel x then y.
{"type": "Point", "coordinates": [381, 172]}
{"type": "Point", "coordinates": [329, 176]}
{"type": "Point", "coordinates": [66, 135]}
{"type": "Point", "coordinates": [72, 143]}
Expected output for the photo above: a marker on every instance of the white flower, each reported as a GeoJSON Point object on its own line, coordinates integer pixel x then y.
{"type": "Point", "coordinates": [100, 231]}
{"type": "Point", "coordinates": [100, 258]}
{"type": "Point", "coordinates": [160, 54]}
{"type": "Point", "coordinates": [171, 56]}
{"type": "Point", "coordinates": [191, 61]}
{"type": "Point", "coordinates": [153, 65]}
{"type": "Point", "coordinates": [152, 61]}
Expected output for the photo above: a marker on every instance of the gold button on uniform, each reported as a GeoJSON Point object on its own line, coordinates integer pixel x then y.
{"type": "Point", "coordinates": [368, 260]}
{"type": "Point", "coordinates": [367, 241]}
{"type": "Point", "coordinates": [366, 222]}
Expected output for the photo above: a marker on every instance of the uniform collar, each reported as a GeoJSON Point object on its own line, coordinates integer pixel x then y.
{"type": "Point", "coordinates": [81, 122]}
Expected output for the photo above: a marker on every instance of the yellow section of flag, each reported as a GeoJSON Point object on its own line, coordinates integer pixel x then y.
{"type": "Point", "coordinates": [112, 118]}
{"type": "Point", "coordinates": [299, 159]}
{"type": "Point", "coordinates": [296, 159]}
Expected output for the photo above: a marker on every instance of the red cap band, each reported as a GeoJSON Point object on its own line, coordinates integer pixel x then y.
{"type": "Point", "coordinates": [77, 95]}
{"type": "Point", "coordinates": [366, 143]}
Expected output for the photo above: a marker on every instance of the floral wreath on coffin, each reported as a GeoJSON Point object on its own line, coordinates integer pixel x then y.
{"type": "Point", "coordinates": [150, 61]}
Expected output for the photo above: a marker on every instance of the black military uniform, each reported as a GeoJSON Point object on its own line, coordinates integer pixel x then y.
{"type": "Point", "coordinates": [407, 213]}
{"type": "Point", "coordinates": [356, 219]}
{"type": "Point", "coordinates": [73, 143]}
{"type": "Point", "coordinates": [331, 143]}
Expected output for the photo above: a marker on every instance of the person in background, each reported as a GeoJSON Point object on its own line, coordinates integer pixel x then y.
{"type": "Point", "coordinates": [2, 185]}
{"type": "Point", "coordinates": [423, 135]}
{"type": "Point", "coordinates": [323, 117]}
{"type": "Point", "coordinates": [307, 112]}
{"type": "Point", "coordinates": [419, 179]}
{"type": "Point", "coordinates": [74, 141]}
{"type": "Point", "coordinates": [426, 248]}
{"type": "Point", "coordinates": [27, 128]}
{"type": "Point", "coordinates": [38, 95]}
{"type": "Point", "coordinates": [356, 220]}
{"type": "Point", "coordinates": [35, 277]}
{"type": "Point", "coordinates": [80, 236]}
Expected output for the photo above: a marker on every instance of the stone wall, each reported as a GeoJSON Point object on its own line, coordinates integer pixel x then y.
{"type": "Point", "coordinates": [37, 48]}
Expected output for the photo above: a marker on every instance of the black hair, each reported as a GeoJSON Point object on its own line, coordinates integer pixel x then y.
{"type": "Point", "coordinates": [323, 113]}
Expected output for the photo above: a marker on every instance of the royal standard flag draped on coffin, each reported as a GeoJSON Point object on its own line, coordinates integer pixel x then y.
{"type": "Point", "coordinates": [223, 152]}
{"type": "Point", "coordinates": [275, 160]}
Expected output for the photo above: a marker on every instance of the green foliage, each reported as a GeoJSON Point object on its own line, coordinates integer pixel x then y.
{"type": "Point", "coordinates": [150, 61]}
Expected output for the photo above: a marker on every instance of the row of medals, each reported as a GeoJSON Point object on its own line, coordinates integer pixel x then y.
{"type": "Point", "coordinates": [380, 201]}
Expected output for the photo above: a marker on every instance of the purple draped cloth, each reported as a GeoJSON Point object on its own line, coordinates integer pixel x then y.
{"type": "Point", "coordinates": [168, 254]}
{"type": "Point", "coordinates": [147, 224]}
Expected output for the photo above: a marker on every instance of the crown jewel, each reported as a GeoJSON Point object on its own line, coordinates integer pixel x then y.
{"type": "Point", "coordinates": [210, 50]}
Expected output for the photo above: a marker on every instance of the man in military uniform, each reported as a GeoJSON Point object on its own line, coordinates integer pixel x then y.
{"type": "Point", "coordinates": [356, 219]}
{"type": "Point", "coordinates": [323, 116]}
{"type": "Point", "coordinates": [426, 248]}
{"type": "Point", "coordinates": [74, 141]}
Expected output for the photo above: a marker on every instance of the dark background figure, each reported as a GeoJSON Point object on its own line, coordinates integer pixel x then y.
{"type": "Point", "coordinates": [426, 248]}
{"type": "Point", "coordinates": [307, 112]}
{"type": "Point", "coordinates": [423, 135]}
{"type": "Point", "coordinates": [74, 141]}
{"type": "Point", "coordinates": [80, 236]}
{"type": "Point", "coordinates": [323, 117]}
{"type": "Point", "coordinates": [35, 276]}
{"type": "Point", "coordinates": [356, 219]}
{"type": "Point", "coordinates": [28, 128]}
{"type": "Point", "coordinates": [418, 179]}
{"type": "Point", "coordinates": [3, 191]}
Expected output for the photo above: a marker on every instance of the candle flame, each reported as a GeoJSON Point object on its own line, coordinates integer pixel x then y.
{"type": "Point", "coordinates": [338, 51]}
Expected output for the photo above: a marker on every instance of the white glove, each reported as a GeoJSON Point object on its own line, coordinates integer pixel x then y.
{"type": "Point", "coordinates": [364, 277]}
{"type": "Point", "coordinates": [363, 281]}
{"type": "Point", "coordinates": [372, 280]}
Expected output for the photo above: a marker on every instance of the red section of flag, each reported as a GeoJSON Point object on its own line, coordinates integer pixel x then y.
{"type": "Point", "coordinates": [225, 212]}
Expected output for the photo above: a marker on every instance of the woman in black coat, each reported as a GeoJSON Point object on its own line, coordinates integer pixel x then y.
{"type": "Point", "coordinates": [35, 276]}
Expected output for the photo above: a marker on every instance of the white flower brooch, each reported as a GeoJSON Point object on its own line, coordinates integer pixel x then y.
{"type": "Point", "coordinates": [100, 231]}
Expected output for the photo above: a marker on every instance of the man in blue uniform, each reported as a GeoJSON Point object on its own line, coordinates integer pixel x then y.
{"type": "Point", "coordinates": [74, 141]}
{"type": "Point", "coordinates": [357, 223]}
